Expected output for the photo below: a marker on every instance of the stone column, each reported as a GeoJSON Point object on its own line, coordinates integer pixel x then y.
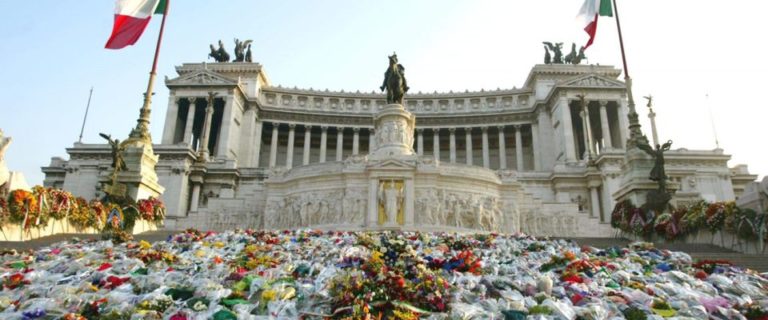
{"type": "Point", "coordinates": [589, 144]}
{"type": "Point", "coordinates": [171, 119]}
{"type": "Point", "coordinates": [340, 144]}
{"type": "Point", "coordinates": [307, 142]}
{"type": "Point", "coordinates": [606, 130]}
{"type": "Point", "coordinates": [452, 144]}
{"type": "Point", "coordinates": [436, 143]}
{"type": "Point", "coordinates": [535, 146]}
{"type": "Point", "coordinates": [654, 133]}
{"type": "Point", "coordinates": [410, 198]}
{"type": "Point", "coordinates": [502, 149]}
{"type": "Point", "coordinates": [371, 140]}
{"type": "Point", "coordinates": [569, 141]}
{"type": "Point", "coordinates": [323, 142]}
{"type": "Point", "coordinates": [206, 128]}
{"type": "Point", "coordinates": [373, 203]}
{"type": "Point", "coordinates": [256, 153]}
{"type": "Point", "coordinates": [519, 148]}
{"type": "Point", "coordinates": [468, 135]}
{"type": "Point", "coordinates": [190, 121]}
{"type": "Point", "coordinates": [355, 140]}
{"type": "Point", "coordinates": [195, 201]}
{"type": "Point", "coordinates": [486, 153]}
{"type": "Point", "coordinates": [420, 141]}
{"type": "Point", "coordinates": [289, 153]}
{"type": "Point", "coordinates": [623, 114]}
{"type": "Point", "coordinates": [222, 146]}
{"type": "Point", "coordinates": [273, 146]}
{"type": "Point", "coordinates": [594, 206]}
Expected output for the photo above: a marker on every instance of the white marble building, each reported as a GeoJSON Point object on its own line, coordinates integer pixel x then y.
{"type": "Point", "coordinates": [239, 152]}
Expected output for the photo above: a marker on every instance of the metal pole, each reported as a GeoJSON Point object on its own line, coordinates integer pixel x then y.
{"type": "Point", "coordinates": [87, 106]}
{"type": "Point", "coordinates": [141, 132]}
{"type": "Point", "coordinates": [635, 133]}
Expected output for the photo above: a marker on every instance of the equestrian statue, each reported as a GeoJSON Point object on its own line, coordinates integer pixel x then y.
{"type": "Point", "coordinates": [394, 81]}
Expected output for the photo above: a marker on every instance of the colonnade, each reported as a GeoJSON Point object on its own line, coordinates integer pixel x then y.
{"type": "Point", "coordinates": [492, 152]}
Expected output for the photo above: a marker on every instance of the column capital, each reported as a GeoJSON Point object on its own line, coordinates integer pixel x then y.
{"type": "Point", "coordinates": [420, 130]}
{"type": "Point", "coordinates": [340, 128]}
{"type": "Point", "coordinates": [517, 127]}
{"type": "Point", "coordinates": [191, 99]}
{"type": "Point", "coordinates": [603, 103]}
{"type": "Point", "coordinates": [452, 130]}
{"type": "Point", "coordinates": [484, 129]}
{"type": "Point", "coordinates": [324, 128]}
{"type": "Point", "coordinates": [436, 131]}
{"type": "Point", "coordinates": [468, 129]}
{"type": "Point", "coordinates": [291, 126]}
{"type": "Point", "coordinates": [501, 128]}
{"type": "Point", "coordinates": [355, 129]}
{"type": "Point", "coordinates": [307, 127]}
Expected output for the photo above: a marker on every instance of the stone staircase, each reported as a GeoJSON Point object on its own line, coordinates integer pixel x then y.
{"type": "Point", "coordinates": [698, 251]}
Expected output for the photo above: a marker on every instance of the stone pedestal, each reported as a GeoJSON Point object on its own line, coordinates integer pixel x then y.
{"type": "Point", "coordinates": [635, 181]}
{"type": "Point", "coordinates": [394, 133]}
{"type": "Point", "coordinates": [140, 179]}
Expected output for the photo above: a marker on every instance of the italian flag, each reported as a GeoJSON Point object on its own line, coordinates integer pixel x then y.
{"type": "Point", "coordinates": [131, 18]}
{"type": "Point", "coordinates": [589, 13]}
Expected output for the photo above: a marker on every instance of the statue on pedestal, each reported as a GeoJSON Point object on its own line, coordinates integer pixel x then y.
{"type": "Point", "coordinates": [657, 173]}
{"type": "Point", "coordinates": [394, 81]}
{"type": "Point", "coordinates": [117, 152]}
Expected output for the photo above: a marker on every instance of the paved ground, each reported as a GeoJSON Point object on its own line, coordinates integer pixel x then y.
{"type": "Point", "coordinates": [697, 251]}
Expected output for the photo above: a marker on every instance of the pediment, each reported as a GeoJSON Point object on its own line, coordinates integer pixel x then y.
{"type": "Point", "coordinates": [592, 81]}
{"type": "Point", "coordinates": [392, 164]}
{"type": "Point", "coordinates": [201, 78]}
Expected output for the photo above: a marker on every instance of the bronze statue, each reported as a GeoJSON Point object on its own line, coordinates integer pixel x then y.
{"type": "Point", "coordinates": [117, 152]}
{"type": "Point", "coordinates": [556, 49]}
{"type": "Point", "coordinates": [394, 81]}
{"type": "Point", "coordinates": [240, 49]}
{"type": "Point", "coordinates": [572, 55]}
{"type": "Point", "coordinates": [248, 57]}
{"type": "Point", "coordinates": [219, 55]}
{"type": "Point", "coordinates": [657, 173]}
{"type": "Point", "coordinates": [547, 56]}
{"type": "Point", "coordinates": [579, 57]}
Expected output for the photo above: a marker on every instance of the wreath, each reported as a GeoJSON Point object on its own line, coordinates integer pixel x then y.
{"type": "Point", "coordinates": [23, 208]}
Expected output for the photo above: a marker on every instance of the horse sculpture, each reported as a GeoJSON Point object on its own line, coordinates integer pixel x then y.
{"type": "Point", "coordinates": [219, 55]}
{"type": "Point", "coordinates": [394, 81]}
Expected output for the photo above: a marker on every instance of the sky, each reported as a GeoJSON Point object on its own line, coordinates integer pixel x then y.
{"type": "Point", "coordinates": [703, 65]}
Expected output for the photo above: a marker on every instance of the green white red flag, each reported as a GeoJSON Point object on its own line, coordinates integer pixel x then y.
{"type": "Point", "coordinates": [590, 11]}
{"type": "Point", "coordinates": [131, 18]}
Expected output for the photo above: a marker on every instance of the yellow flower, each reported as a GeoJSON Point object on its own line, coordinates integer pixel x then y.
{"type": "Point", "coordinates": [199, 253]}
{"type": "Point", "coordinates": [218, 244]}
{"type": "Point", "coordinates": [144, 245]}
{"type": "Point", "coordinates": [268, 295]}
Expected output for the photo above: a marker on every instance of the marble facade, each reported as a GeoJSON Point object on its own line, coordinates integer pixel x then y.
{"type": "Point", "coordinates": [237, 151]}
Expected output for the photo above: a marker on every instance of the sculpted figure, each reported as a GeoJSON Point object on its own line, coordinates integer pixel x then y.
{"type": "Point", "coordinates": [240, 46]}
{"type": "Point", "coordinates": [117, 152]}
{"type": "Point", "coordinates": [394, 81]}
{"type": "Point", "coordinates": [556, 49]}
{"type": "Point", "coordinates": [390, 197]}
{"type": "Point", "coordinates": [248, 56]}
{"type": "Point", "coordinates": [222, 54]}
{"type": "Point", "coordinates": [657, 173]}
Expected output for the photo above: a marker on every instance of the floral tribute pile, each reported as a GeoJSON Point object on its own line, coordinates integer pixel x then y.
{"type": "Point", "coordinates": [370, 275]}
{"type": "Point", "coordinates": [44, 206]}
{"type": "Point", "coordinates": [700, 216]}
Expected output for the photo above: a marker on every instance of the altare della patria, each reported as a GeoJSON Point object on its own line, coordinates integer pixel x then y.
{"type": "Point", "coordinates": [548, 158]}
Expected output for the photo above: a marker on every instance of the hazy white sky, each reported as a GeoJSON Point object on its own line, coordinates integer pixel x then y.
{"type": "Point", "coordinates": [678, 51]}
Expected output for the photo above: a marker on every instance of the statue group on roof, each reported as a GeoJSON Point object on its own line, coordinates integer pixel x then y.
{"type": "Point", "coordinates": [242, 52]}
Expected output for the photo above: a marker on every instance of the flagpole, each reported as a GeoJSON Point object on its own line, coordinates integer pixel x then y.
{"type": "Point", "coordinates": [141, 132]}
{"type": "Point", "coordinates": [635, 133]}
{"type": "Point", "coordinates": [87, 106]}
